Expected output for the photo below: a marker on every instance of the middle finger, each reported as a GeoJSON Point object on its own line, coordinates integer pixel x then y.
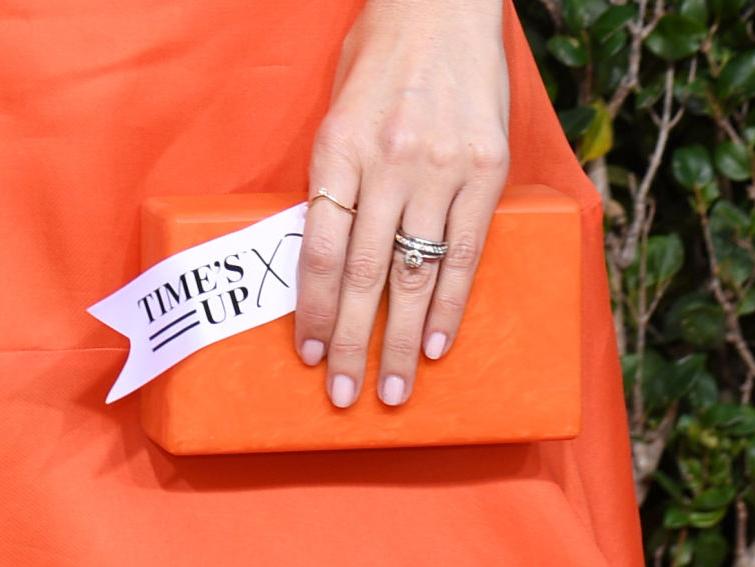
{"type": "Point", "coordinates": [367, 262]}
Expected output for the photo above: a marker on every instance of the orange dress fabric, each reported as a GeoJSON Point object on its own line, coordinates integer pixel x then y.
{"type": "Point", "coordinates": [105, 103]}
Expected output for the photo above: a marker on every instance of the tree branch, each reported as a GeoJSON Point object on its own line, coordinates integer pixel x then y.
{"type": "Point", "coordinates": [734, 333]}
{"type": "Point", "coordinates": [647, 453]}
{"type": "Point", "coordinates": [744, 558]}
{"type": "Point", "coordinates": [666, 125]}
{"type": "Point", "coordinates": [554, 11]}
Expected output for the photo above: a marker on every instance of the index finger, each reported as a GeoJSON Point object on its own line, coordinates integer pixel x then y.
{"type": "Point", "coordinates": [323, 250]}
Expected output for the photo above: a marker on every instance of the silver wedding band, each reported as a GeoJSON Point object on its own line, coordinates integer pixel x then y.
{"type": "Point", "coordinates": [416, 250]}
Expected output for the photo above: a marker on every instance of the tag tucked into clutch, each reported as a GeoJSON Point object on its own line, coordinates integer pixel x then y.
{"type": "Point", "coordinates": [513, 374]}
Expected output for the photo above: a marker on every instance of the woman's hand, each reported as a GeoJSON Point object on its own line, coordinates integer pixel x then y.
{"type": "Point", "coordinates": [416, 137]}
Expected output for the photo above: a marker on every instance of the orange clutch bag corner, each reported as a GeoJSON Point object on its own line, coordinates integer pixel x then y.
{"type": "Point", "coordinates": [513, 374]}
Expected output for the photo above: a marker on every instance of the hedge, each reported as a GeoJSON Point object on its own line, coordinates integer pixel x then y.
{"type": "Point", "coordinates": [656, 98]}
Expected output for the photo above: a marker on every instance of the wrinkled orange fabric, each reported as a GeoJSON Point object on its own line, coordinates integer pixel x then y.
{"type": "Point", "coordinates": [103, 104]}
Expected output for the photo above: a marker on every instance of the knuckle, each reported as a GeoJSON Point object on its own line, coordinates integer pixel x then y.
{"type": "Point", "coordinates": [398, 143]}
{"type": "Point", "coordinates": [448, 304]}
{"type": "Point", "coordinates": [400, 345]}
{"type": "Point", "coordinates": [343, 346]}
{"type": "Point", "coordinates": [362, 271]}
{"type": "Point", "coordinates": [319, 255]}
{"type": "Point", "coordinates": [490, 152]}
{"type": "Point", "coordinates": [411, 281]}
{"type": "Point", "coordinates": [463, 252]}
{"type": "Point", "coordinates": [444, 153]}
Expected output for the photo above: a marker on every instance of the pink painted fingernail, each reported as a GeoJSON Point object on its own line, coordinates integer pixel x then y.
{"type": "Point", "coordinates": [342, 390]}
{"type": "Point", "coordinates": [312, 351]}
{"type": "Point", "coordinates": [393, 390]}
{"type": "Point", "coordinates": [435, 344]}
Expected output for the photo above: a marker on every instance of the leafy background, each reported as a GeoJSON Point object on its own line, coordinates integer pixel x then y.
{"type": "Point", "coordinates": [656, 97]}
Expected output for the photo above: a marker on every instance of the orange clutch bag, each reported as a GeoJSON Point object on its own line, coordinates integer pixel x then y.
{"type": "Point", "coordinates": [513, 374]}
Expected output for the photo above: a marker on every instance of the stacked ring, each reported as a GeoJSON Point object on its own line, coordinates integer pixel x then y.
{"type": "Point", "coordinates": [417, 250]}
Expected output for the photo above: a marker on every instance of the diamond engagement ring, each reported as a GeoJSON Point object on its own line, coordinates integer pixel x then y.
{"type": "Point", "coordinates": [416, 250]}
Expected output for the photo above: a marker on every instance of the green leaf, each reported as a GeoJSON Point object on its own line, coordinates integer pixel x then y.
{"type": "Point", "coordinates": [598, 138]}
{"type": "Point", "coordinates": [665, 256]}
{"type": "Point", "coordinates": [750, 458]}
{"type": "Point", "coordinates": [568, 50]}
{"type": "Point", "coordinates": [733, 160]}
{"type": "Point", "coordinates": [732, 419]}
{"type": "Point", "coordinates": [735, 264]}
{"type": "Point", "coordinates": [670, 485]}
{"type": "Point", "coordinates": [703, 392]}
{"type": "Point", "coordinates": [697, 320]}
{"type": "Point", "coordinates": [661, 384]}
{"type": "Point", "coordinates": [611, 21]}
{"type": "Point", "coordinates": [681, 553]}
{"type": "Point", "coordinates": [628, 368]}
{"type": "Point", "coordinates": [727, 217]}
{"type": "Point", "coordinates": [709, 193]}
{"type": "Point", "coordinates": [691, 166]}
{"type": "Point", "coordinates": [730, 39]}
{"type": "Point", "coordinates": [658, 376]}
{"type": "Point", "coordinates": [737, 78]}
{"type": "Point", "coordinates": [703, 325]}
{"type": "Point", "coordinates": [719, 468]}
{"type": "Point", "coordinates": [749, 135]}
{"type": "Point", "coordinates": [575, 121]}
{"type": "Point", "coordinates": [580, 14]}
{"type": "Point", "coordinates": [675, 37]}
{"type": "Point", "coordinates": [694, 380]}
{"type": "Point", "coordinates": [692, 472]}
{"type": "Point", "coordinates": [747, 304]}
{"type": "Point", "coordinates": [721, 415]}
{"type": "Point", "coordinates": [711, 549]}
{"type": "Point", "coordinates": [695, 95]}
{"type": "Point", "coordinates": [613, 45]}
{"type": "Point", "coordinates": [730, 227]}
{"type": "Point", "coordinates": [710, 439]}
{"type": "Point", "coordinates": [649, 94]}
{"type": "Point", "coordinates": [695, 10]}
{"type": "Point", "coordinates": [676, 517]}
{"type": "Point", "coordinates": [611, 70]}
{"type": "Point", "coordinates": [714, 498]}
{"type": "Point", "coordinates": [727, 9]}
{"type": "Point", "coordinates": [706, 519]}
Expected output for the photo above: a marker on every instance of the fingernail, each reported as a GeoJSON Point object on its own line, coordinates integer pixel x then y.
{"type": "Point", "coordinates": [393, 390]}
{"type": "Point", "coordinates": [312, 351]}
{"type": "Point", "coordinates": [342, 390]}
{"type": "Point", "coordinates": [435, 345]}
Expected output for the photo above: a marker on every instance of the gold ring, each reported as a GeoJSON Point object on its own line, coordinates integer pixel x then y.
{"type": "Point", "coordinates": [322, 192]}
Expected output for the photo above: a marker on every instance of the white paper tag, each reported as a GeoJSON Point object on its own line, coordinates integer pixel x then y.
{"type": "Point", "coordinates": [204, 294]}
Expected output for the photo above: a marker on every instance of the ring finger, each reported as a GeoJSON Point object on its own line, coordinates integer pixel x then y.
{"type": "Point", "coordinates": [410, 292]}
{"type": "Point", "coordinates": [367, 262]}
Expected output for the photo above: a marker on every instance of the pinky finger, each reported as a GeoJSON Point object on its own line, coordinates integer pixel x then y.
{"type": "Point", "coordinates": [467, 225]}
